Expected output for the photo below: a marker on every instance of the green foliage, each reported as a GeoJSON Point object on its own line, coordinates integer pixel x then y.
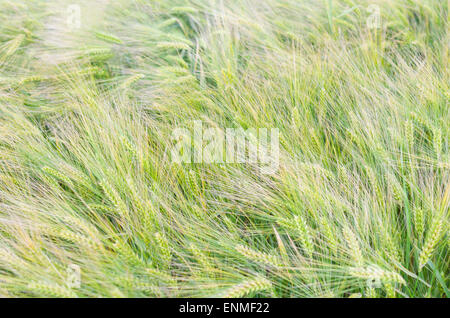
{"type": "Point", "coordinates": [358, 207]}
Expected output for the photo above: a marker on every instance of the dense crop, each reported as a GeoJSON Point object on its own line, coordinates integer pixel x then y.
{"type": "Point", "coordinates": [92, 203]}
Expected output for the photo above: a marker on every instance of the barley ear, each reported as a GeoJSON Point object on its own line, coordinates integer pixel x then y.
{"type": "Point", "coordinates": [419, 222]}
{"type": "Point", "coordinates": [248, 287]}
{"type": "Point", "coordinates": [353, 245]}
{"type": "Point", "coordinates": [257, 256]}
{"type": "Point", "coordinates": [163, 244]}
{"type": "Point", "coordinates": [305, 236]}
{"type": "Point", "coordinates": [51, 290]}
{"type": "Point", "coordinates": [430, 242]}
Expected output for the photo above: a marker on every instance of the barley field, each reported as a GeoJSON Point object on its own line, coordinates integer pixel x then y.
{"type": "Point", "coordinates": [106, 190]}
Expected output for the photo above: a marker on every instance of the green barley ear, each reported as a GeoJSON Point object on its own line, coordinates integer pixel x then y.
{"type": "Point", "coordinates": [131, 80]}
{"type": "Point", "coordinates": [390, 291]}
{"type": "Point", "coordinates": [163, 245]}
{"type": "Point", "coordinates": [173, 45]}
{"type": "Point", "coordinates": [352, 136]}
{"type": "Point", "coordinates": [437, 141]}
{"type": "Point", "coordinates": [370, 293]}
{"type": "Point", "coordinates": [193, 182]}
{"type": "Point", "coordinates": [305, 235]}
{"type": "Point", "coordinates": [114, 197]}
{"type": "Point", "coordinates": [375, 273]}
{"type": "Point", "coordinates": [79, 180]}
{"type": "Point", "coordinates": [173, 71]}
{"type": "Point", "coordinates": [381, 151]}
{"type": "Point", "coordinates": [137, 200]}
{"type": "Point", "coordinates": [198, 212]}
{"type": "Point", "coordinates": [286, 223]}
{"type": "Point", "coordinates": [316, 143]}
{"type": "Point", "coordinates": [373, 181]}
{"type": "Point", "coordinates": [257, 256]}
{"type": "Point", "coordinates": [57, 175]}
{"type": "Point", "coordinates": [420, 119]}
{"type": "Point", "coordinates": [395, 187]}
{"type": "Point", "coordinates": [108, 38]}
{"type": "Point", "coordinates": [81, 224]}
{"type": "Point", "coordinates": [353, 245]}
{"type": "Point", "coordinates": [419, 222]}
{"type": "Point", "coordinates": [78, 239]}
{"type": "Point", "coordinates": [29, 79]}
{"type": "Point", "coordinates": [144, 209]}
{"type": "Point", "coordinates": [51, 290]}
{"type": "Point", "coordinates": [102, 208]}
{"type": "Point", "coordinates": [14, 44]}
{"type": "Point", "coordinates": [430, 242]}
{"type": "Point", "coordinates": [201, 258]}
{"type": "Point", "coordinates": [391, 242]}
{"type": "Point", "coordinates": [50, 181]}
{"type": "Point", "coordinates": [167, 23]}
{"type": "Point", "coordinates": [344, 178]}
{"type": "Point", "coordinates": [164, 277]}
{"type": "Point", "coordinates": [182, 80]}
{"type": "Point", "coordinates": [116, 293]}
{"type": "Point", "coordinates": [409, 133]}
{"type": "Point", "coordinates": [97, 54]}
{"type": "Point", "coordinates": [177, 60]}
{"type": "Point", "coordinates": [229, 224]}
{"type": "Point", "coordinates": [128, 254]}
{"type": "Point", "coordinates": [248, 287]}
{"type": "Point", "coordinates": [140, 285]}
{"type": "Point", "coordinates": [328, 234]}
{"type": "Point", "coordinates": [133, 284]}
{"type": "Point", "coordinates": [78, 176]}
